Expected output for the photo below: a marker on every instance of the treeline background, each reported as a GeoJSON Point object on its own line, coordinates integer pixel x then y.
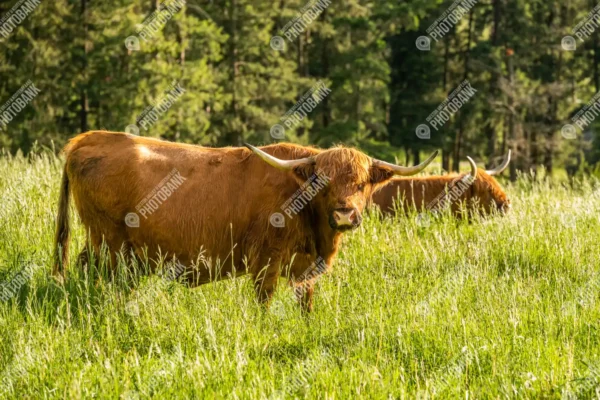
{"type": "Point", "coordinates": [383, 87]}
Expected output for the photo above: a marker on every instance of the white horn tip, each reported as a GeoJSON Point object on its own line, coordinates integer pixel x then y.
{"type": "Point", "coordinates": [473, 166]}
{"type": "Point", "coordinates": [502, 166]}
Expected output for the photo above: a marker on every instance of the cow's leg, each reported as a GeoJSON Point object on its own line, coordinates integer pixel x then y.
{"type": "Point", "coordinates": [305, 274]}
{"type": "Point", "coordinates": [90, 252]}
{"type": "Point", "coordinates": [84, 257]}
{"type": "Point", "coordinates": [265, 281]}
{"type": "Point", "coordinates": [88, 259]}
{"type": "Point", "coordinates": [103, 245]}
{"type": "Point", "coordinates": [304, 295]}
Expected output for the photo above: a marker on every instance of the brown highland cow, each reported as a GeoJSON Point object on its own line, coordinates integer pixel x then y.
{"type": "Point", "coordinates": [152, 197]}
{"type": "Point", "coordinates": [478, 190]}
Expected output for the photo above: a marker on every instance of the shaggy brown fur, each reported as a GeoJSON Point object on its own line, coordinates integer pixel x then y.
{"type": "Point", "coordinates": [484, 195]}
{"type": "Point", "coordinates": [223, 206]}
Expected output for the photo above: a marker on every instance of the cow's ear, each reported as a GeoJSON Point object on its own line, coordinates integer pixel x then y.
{"type": "Point", "coordinates": [304, 172]}
{"type": "Point", "coordinates": [380, 174]}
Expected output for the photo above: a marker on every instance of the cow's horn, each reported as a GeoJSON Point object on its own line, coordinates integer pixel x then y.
{"type": "Point", "coordinates": [501, 167]}
{"type": "Point", "coordinates": [406, 171]}
{"type": "Point", "coordinates": [285, 165]}
{"type": "Point", "coordinates": [473, 168]}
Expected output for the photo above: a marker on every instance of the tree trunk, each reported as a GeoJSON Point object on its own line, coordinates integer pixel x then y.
{"type": "Point", "coordinates": [446, 150]}
{"type": "Point", "coordinates": [457, 146]}
{"type": "Point", "coordinates": [496, 27]}
{"type": "Point", "coordinates": [300, 54]}
{"type": "Point", "coordinates": [303, 53]}
{"type": "Point", "coordinates": [596, 60]}
{"type": "Point", "coordinates": [534, 155]}
{"type": "Point", "coordinates": [488, 113]}
{"type": "Point", "coordinates": [325, 73]}
{"type": "Point", "coordinates": [460, 132]}
{"type": "Point", "coordinates": [445, 160]}
{"type": "Point", "coordinates": [234, 134]}
{"type": "Point", "coordinates": [416, 156]}
{"type": "Point", "coordinates": [511, 117]}
{"type": "Point", "coordinates": [83, 114]}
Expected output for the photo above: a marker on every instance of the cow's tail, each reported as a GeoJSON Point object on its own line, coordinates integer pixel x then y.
{"type": "Point", "coordinates": [63, 230]}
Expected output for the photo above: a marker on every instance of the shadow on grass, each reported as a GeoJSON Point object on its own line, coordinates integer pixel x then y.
{"type": "Point", "coordinates": [87, 289]}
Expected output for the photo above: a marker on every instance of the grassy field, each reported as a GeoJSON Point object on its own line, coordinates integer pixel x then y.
{"type": "Point", "coordinates": [503, 308]}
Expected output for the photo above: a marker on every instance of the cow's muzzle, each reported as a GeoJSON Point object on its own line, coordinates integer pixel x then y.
{"type": "Point", "coordinates": [344, 219]}
{"type": "Point", "coordinates": [503, 207]}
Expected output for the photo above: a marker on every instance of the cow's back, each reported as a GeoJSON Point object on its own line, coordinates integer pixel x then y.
{"type": "Point", "coordinates": [402, 193]}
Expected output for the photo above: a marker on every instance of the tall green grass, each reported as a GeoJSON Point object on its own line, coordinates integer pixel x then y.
{"type": "Point", "coordinates": [504, 307]}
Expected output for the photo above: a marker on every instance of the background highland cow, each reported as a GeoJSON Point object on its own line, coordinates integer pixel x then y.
{"type": "Point", "coordinates": [478, 191]}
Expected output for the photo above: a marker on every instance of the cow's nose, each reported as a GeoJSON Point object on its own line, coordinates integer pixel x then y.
{"type": "Point", "coordinates": [503, 206]}
{"type": "Point", "coordinates": [346, 217]}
